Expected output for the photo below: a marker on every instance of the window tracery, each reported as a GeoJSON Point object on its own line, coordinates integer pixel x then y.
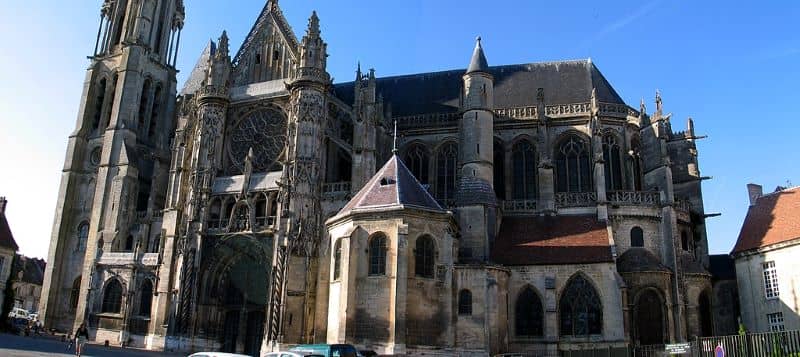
{"type": "Point", "coordinates": [446, 168]}
{"type": "Point", "coordinates": [377, 255]}
{"type": "Point", "coordinates": [581, 309]}
{"type": "Point", "coordinates": [613, 163]}
{"type": "Point", "coordinates": [112, 297]}
{"type": "Point", "coordinates": [265, 132]}
{"type": "Point", "coordinates": [524, 158]}
{"type": "Point", "coordinates": [573, 166]}
{"type": "Point", "coordinates": [424, 257]}
{"type": "Point", "coordinates": [528, 314]}
{"type": "Point", "coordinates": [416, 159]}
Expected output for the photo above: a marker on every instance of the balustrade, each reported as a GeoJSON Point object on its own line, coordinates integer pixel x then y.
{"type": "Point", "coordinates": [512, 206]}
{"type": "Point", "coordinates": [639, 198]}
{"type": "Point", "coordinates": [575, 199]}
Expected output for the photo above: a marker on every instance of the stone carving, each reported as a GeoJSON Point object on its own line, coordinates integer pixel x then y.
{"type": "Point", "coordinates": [263, 130]}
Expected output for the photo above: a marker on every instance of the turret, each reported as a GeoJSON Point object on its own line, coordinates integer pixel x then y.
{"type": "Point", "coordinates": [475, 197]}
{"type": "Point", "coordinates": [313, 54]}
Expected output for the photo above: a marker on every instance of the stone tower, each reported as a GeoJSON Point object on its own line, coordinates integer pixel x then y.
{"type": "Point", "coordinates": [300, 226]}
{"type": "Point", "coordinates": [475, 197]}
{"type": "Point", "coordinates": [117, 162]}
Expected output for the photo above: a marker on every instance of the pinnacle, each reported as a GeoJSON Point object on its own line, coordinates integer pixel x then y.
{"type": "Point", "coordinates": [478, 62]}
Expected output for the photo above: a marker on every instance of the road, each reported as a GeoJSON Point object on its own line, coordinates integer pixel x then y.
{"type": "Point", "coordinates": [17, 346]}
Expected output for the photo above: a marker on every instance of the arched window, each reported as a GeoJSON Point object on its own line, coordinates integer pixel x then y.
{"type": "Point", "coordinates": [75, 294]}
{"type": "Point", "coordinates": [684, 241]}
{"type": "Point", "coordinates": [83, 236]}
{"type": "Point", "coordinates": [107, 114]}
{"type": "Point", "coordinates": [446, 168]}
{"type": "Point", "coordinates": [649, 319]}
{"type": "Point", "coordinates": [155, 244]}
{"type": "Point", "coordinates": [464, 302]}
{"type": "Point", "coordinates": [100, 97]}
{"type": "Point", "coordinates": [146, 298]}
{"type": "Point", "coordinates": [112, 297]}
{"type": "Point", "coordinates": [261, 210]}
{"type": "Point", "coordinates": [613, 164]}
{"type": "Point", "coordinates": [155, 112]}
{"type": "Point", "coordinates": [337, 260]}
{"type": "Point", "coordinates": [637, 237]}
{"type": "Point", "coordinates": [416, 159]}
{"type": "Point", "coordinates": [424, 255]}
{"type": "Point", "coordinates": [524, 158]}
{"type": "Point", "coordinates": [377, 255]}
{"type": "Point", "coordinates": [129, 244]}
{"type": "Point", "coordinates": [581, 309]}
{"type": "Point", "coordinates": [499, 170]}
{"type": "Point", "coordinates": [636, 162]}
{"type": "Point", "coordinates": [573, 165]}
{"type": "Point", "coordinates": [273, 209]}
{"type": "Point", "coordinates": [706, 322]}
{"type": "Point", "coordinates": [528, 314]}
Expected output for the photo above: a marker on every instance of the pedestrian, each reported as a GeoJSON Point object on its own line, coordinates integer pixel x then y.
{"type": "Point", "coordinates": [70, 341]}
{"type": "Point", "coordinates": [81, 335]}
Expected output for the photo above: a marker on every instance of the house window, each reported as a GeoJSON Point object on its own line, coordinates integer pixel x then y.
{"type": "Point", "coordinates": [337, 260]}
{"type": "Point", "coordinates": [776, 322]}
{"type": "Point", "coordinates": [464, 302]}
{"type": "Point", "coordinates": [770, 280]}
{"type": "Point", "coordinates": [112, 297]}
{"type": "Point", "coordinates": [524, 161]}
{"type": "Point", "coordinates": [637, 237]}
{"type": "Point", "coordinates": [424, 254]}
{"type": "Point", "coordinates": [377, 255]}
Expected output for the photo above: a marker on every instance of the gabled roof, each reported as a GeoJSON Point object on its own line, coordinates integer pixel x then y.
{"type": "Point", "coordinates": [551, 241]}
{"type": "Point", "coordinates": [198, 74]}
{"type": "Point", "coordinates": [563, 82]}
{"type": "Point", "coordinates": [6, 237]}
{"type": "Point", "coordinates": [271, 9]}
{"type": "Point", "coordinates": [775, 218]}
{"type": "Point", "coordinates": [393, 186]}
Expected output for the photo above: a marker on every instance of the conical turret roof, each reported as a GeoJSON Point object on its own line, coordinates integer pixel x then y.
{"type": "Point", "coordinates": [392, 186]}
{"type": "Point", "coordinates": [478, 62]}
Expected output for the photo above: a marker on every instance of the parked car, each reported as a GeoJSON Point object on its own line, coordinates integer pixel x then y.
{"type": "Point", "coordinates": [216, 354]}
{"type": "Point", "coordinates": [338, 350]}
{"type": "Point", "coordinates": [366, 353]}
{"type": "Point", "coordinates": [18, 313]}
{"type": "Point", "coordinates": [33, 316]}
{"type": "Point", "coordinates": [292, 354]}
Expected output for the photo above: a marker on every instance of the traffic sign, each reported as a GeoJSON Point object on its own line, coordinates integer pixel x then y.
{"type": "Point", "coordinates": [678, 348]}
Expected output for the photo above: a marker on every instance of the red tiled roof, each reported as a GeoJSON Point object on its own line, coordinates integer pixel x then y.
{"type": "Point", "coordinates": [6, 238]}
{"type": "Point", "coordinates": [552, 240]}
{"type": "Point", "coordinates": [775, 218]}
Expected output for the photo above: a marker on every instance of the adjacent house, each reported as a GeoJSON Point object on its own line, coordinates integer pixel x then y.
{"type": "Point", "coordinates": [767, 264]}
{"type": "Point", "coordinates": [8, 248]}
{"type": "Point", "coordinates": [27, 282]}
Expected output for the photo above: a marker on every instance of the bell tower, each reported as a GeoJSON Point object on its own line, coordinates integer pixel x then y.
{"type": "Point", "coordinates": [117, 159]}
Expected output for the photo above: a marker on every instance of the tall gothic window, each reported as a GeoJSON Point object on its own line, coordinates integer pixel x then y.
{"type": "Point", "coordinates": [637, 237]}
{"type": "Point", "coordinates": [146, 298]}
{"type": "Point", "coordinates": [424, 255]}
{"type": "Point", "coordinates": [465, 302]}
{"type": "Point", "coordinates": [524, 158]}
{"type": "Point", "coordinates": [613, 163]}
{"type": "Point", "coordinates": [337, 260]}
{"type": "Point", "coordinates": [573, 165]}
{"type": "Point", "coordinates": [499, 170]}
{"type": "Point", "coordinates": [107, 114]}
{"type": "Point", "coordinates": [155, 111]}
{"type": "Point", "coordinates": [446, 168]}
{"type": "Point", "coordinates": [581, 309]}
{"type": "Point", "coordinates": [83, 236]}
{"type": "Point", "coordinates": [416, 159]}
{"type": "Point", "coordinates": [112, 297]}
{"type": "Point", "coordinates": [214, 212]}
{"type": "Point", "coordinates": [144, 101]}
{"type": "Point", "coordinates": [636, 163]}
{"type": "Point", "coordinates": [74, 294]}
{"type": "Point", "coordinates": [129, 244]}
{"type": "Point", "coordinates": [528, 315]}
{"type": "Point", "coordinates": [100, 97]}
{"type": "Point", "coordinates": [377, 255]}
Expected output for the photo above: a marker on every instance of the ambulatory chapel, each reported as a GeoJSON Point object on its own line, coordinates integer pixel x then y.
{"type": "Point", "coordinates": [512, 208]}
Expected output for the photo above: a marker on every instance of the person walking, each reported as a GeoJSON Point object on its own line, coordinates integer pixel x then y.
{"type": "Point", "coordinates": [81, 335]}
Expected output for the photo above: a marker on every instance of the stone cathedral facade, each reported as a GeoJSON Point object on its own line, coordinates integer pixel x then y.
{"type": "Point", "coordinates": [516, 208]}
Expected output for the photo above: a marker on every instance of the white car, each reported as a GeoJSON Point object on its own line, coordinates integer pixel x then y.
{"type": "Point", "coordinates": [292, 354]}
{"type": "Point", "coordinates": [216, 354]}
{"type": "Point", "coordinates": [18, 313]}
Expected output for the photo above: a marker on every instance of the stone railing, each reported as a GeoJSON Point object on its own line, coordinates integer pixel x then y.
{"type": "Point", "coordinates": [516, 206]}
{"type": "Point", "coordinates": [426, 120]}
{"type": "Point", "coordinates": [683, 205]}
{"type": "Point", "coordinates": [640, 198]}
{"type": "Point", "coordinates": [336, 187]}
{"type": "Point", "coordinates": [568, 110]}
{"type": "Point", "coordinates": [125, 258]}
{"type": "Point", "coordinates": [575, 199]}
{"type": "Point", "coordinates": [518, 113]}
{"type": "Point", "coordinates": [150, 259]}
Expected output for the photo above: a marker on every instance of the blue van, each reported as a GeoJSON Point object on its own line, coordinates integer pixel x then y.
{"type": "Point", "coordinates": [338, 350]}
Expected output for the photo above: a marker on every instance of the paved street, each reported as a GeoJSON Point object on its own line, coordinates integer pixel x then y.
{"type": "Point", "coordinates": [16, 346]}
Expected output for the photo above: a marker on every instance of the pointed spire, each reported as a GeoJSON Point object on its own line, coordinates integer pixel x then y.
{"type": "Point", "coordinates": [690, 126]}
{"type": "Point", "coordinates": [659, 103]}
{"type": "Point", "coordinates": [222, 48]}
{"type": "Point", "coordinates": [358, 72]}
{"type": "Point", "coordinates": [394, 144]}
{"type": "Point", "coordinates": [478, 62]}
{"type": "Point", "coordinates": [313, 25]}
{"type": "Point", "coordinates": [642, 107]}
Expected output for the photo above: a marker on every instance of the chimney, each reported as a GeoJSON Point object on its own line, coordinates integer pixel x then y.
{"type": "Point", "coordinates": [3, 203]}
{"type": "Point", "coordinates": [754, 191]}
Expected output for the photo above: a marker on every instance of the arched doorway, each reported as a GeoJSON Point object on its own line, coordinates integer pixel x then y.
{"type": "Point", "coordinates": [704, 307]}
{"type": "Point", "coordinates": [649, 319]}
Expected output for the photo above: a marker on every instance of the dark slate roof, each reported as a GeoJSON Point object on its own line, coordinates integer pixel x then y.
{"type": "Point", "coordinates": [198, 74]}
{"type": "Point", "coordinates": [775, 218]}
{"type": "Point", "coordinates": [551, 240]}
{"type": "Point", "coordinates": [478, 62]}
{"type": "Point", "coordinates": [6, 237]}
{"type": "Point", "coordinates": [690, 265]}
{"type": "Point", "coordinates": [564, 82]}
{"type": "Point", "coordinates": [639, 260]}
{"type": "Point", "coordinates": [32, 269]}
{"type": "Point", "coordinates": [721, 267]}
{"type": "Point", "coordinates": [392, 186]}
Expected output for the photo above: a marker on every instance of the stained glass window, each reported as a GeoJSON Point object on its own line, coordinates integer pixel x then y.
{"type": "Point", "coordinates": [377, 255]}
{"type": "Point", "coordinates": [573, 166]}
{"type": "Point", "coordinates": [424, 254]}
{"type": "Point", "coordinates": [613, 164]}
{"type": "Point", "coordinates": [581, 309]}
{"type": "Point", "coordinates": [446, 168]}
{"type": "Point", "coordinates": [416, 159]}
{"type": "Point", "coordinates": [524, 157]}
{"type": "Point", "coordinates": [112, 297]}
{"type": "Point", "coordinates": [264, 131]}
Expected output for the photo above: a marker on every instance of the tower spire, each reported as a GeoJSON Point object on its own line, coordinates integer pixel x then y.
{"type": "Point", "coordinates": [394, 144]}
{"type": "Point", "coordinates": [478, 62]}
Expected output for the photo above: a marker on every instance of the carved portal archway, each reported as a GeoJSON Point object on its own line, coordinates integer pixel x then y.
{"type": "Point", "coordinates": [235, 291]}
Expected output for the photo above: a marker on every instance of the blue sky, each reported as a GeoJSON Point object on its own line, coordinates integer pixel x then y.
{"type": "Point", "coordinates": [732, 66]}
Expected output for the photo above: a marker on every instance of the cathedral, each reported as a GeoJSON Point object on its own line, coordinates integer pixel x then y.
{"type": "Point", "coordinates": [515, 208]}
